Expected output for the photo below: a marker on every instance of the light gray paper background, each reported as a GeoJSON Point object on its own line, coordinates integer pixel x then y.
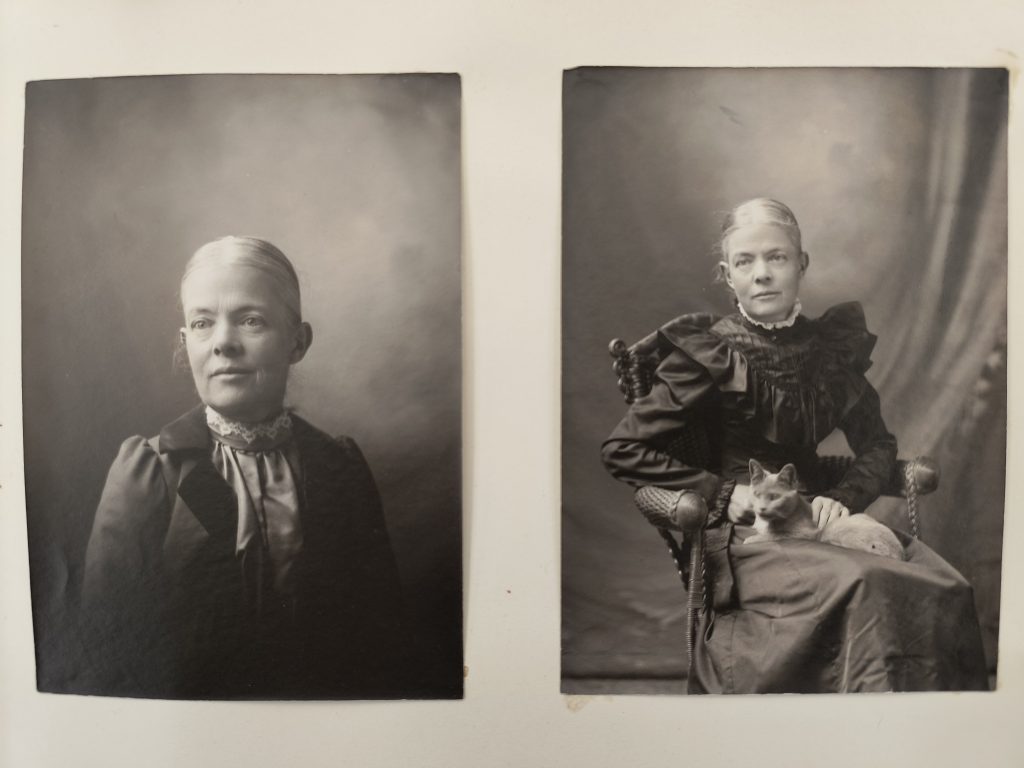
{"type": "Point", "coordinates": [511, 57]}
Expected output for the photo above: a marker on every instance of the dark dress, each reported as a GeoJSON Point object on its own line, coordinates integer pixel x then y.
{"type": "Point", "coordinates": [796, 615]}
{"type": "Point", "coordinates": [167, 602]}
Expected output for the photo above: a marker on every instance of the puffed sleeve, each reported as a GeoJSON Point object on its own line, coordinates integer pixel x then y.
{"type": "Point", "coordinates": [849, 355]}
{"type": "Point", "coordinates": [122, 571]}
{"type": "Point", "coordinates": [636, 452]}
{"type": "Point", "coordinates": [381, 570]}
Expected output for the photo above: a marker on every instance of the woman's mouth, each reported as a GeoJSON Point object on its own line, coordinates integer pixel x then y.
{"type": "Point", "coordinates": [230, 372]}
{"type": "Point", "coordinates": [766, 295]}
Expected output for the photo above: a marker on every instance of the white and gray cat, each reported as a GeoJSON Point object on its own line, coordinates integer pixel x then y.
{"type": "Point", "coordinates": [782, 513]}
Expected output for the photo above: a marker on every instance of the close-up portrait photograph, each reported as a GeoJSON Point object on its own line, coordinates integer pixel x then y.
{"type": "Point", "coordinates": [242, 386]}
{"type": "Point", "coordinates": [784, 312]}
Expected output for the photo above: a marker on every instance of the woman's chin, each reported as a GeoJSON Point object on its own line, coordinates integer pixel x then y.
{"type": "Point", "coordinates": [768, 313]}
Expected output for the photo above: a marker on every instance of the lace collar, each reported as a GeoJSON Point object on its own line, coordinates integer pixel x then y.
{"type": "Point", "coordinates": [787, 323]}
{"type": "Point", "coordinates": [258, 436]}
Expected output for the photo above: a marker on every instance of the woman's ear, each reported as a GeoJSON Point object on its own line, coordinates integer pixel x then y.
{"type": "Point", "coordinates": [723, 270]}
{"type": "Point", "coordinates": [303, 340]}
{"type": "Point", "coordinates": [805, 261]}
{"type": "Point", "coordinates": [179, 360]}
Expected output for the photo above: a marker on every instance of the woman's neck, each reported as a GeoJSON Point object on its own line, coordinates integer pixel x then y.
{"type": "Point", "coordinates": [786, 322]}
{"type": "Point", "coordinates": [270, 417]}
{"type": "Point", "coordinates": [269, 431]}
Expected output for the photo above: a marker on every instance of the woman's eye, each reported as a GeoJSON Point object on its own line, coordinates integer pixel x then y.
{"type": "Point", "coordinates": [253, 322]}
{"type": "Point", "coordinates": [199, 325]}
{"type": "Point", "coordinates": [777, 257]}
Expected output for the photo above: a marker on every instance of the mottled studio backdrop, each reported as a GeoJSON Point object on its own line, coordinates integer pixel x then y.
{"type": "Point", "coordinates": [357, 179]}
{"type": "Point", "coordinates": [898, 178]}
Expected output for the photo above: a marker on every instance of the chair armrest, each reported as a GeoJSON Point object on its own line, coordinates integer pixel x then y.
{"type": "Point", "coordinates": [684, 511]}
{"type": "Point", "coordinates": [923, 473]}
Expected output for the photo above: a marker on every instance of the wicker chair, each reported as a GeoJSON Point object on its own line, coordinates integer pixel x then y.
{"type": "Point", "coordinates": [635, 366]}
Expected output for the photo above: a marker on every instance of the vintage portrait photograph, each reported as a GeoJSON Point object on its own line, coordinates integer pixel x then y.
{"type": "Point", "coordinates": [242, 385]}
{"type": "Point", "coordinates": [784, 313]}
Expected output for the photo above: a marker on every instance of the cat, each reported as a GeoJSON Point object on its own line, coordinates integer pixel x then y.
{"type": "Point", "coordinates": [782, 513]}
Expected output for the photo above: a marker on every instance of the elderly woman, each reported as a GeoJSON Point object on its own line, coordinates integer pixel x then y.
{"type": "Point", "coordinates": [771, 384]}
{"type": "Point", "coordinates": [242, 553]}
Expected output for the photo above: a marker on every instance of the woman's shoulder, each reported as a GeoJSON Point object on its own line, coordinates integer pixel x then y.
{"type": "Point", "coordinates": [844, 333]}
{"type": "Point", "coordinates": [687, 330]}
{"type": "Point", "coordinates": [699, 343]}
{"type": "Point", "coordinates": [848, 316]}
{"type": "Point", "coordinates": [704, 331]}
{"type": "Point", "coordinates": [136, 486]}
{"type": "Point", "coordinates": [333, 459]}
{"type": "Point", "coordinates": [314, 438]}
{"type": "Point", "coordinates": [136, 456]}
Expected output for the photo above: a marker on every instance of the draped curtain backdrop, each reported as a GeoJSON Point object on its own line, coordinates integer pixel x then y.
{"type": "Point", "coordinates": [898, 178]}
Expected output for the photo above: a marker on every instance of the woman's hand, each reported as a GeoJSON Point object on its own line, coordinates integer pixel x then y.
{"type": "Point", "coordinates": [741, 506]}
{"type": "Point", "coordinates": [824, 510]}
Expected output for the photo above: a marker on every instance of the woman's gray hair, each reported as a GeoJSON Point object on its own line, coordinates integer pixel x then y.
{"type": "Point", "coordinates": [259, 254]}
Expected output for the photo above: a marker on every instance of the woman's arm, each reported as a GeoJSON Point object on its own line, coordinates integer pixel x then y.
{"type": "Point", "coordinates": [875, 450]}
{"type": "Point", "coordinates": [637, 450]}
{"type": "Point", "coordinates": [388, 654]}
{"type": "Point", "coordinates": [122, 568]}
{"type": "Point", "coordinates": [123, 532]}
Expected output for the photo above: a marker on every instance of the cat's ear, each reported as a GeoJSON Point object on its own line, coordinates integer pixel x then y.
{"type": "Point", "coordinates": [787, 475]}
{"type": "Point", "coordinates": [756, 472]}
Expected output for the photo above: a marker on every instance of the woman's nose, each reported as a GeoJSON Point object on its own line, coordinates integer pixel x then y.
{"type": "Point", "coordinates": [225, 342]}
{"type": "Point", "coordinates": [761, 272]}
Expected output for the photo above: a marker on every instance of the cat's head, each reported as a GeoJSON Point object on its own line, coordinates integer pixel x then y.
{"type": "Point", "coordinates": [775, 495]}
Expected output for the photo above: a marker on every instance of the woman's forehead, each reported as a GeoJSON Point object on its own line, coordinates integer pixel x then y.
{"type": "Point", "coordinates": [215, 285]}
{"type": "Point", "coordinates": [757, 237]}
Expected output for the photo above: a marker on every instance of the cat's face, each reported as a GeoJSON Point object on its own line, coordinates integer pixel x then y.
{"type": "Point", "coordinates": [775, 496]}
{"type": "Point", "coordinates": [775, 504]}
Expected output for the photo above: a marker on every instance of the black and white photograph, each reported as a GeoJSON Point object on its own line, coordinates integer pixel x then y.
{"type": "Point", "coordinates": [241, 303]}
{"type": "Point", "coordinates": [784, 316]}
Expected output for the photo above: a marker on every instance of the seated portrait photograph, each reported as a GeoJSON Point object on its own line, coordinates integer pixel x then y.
{"type": "Point", "coordinates": [242, 386]}
{"type": "Point", "coordinates": [784, 382]}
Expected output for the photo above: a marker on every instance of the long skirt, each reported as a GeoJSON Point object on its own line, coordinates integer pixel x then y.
{"type": "Point", "coordinates": [798, 616]}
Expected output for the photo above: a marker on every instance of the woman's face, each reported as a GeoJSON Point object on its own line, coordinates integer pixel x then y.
{"type": "Point", "coordinates": [764, 268]}
{"type": "Point", "coordinates": [240, 340]}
